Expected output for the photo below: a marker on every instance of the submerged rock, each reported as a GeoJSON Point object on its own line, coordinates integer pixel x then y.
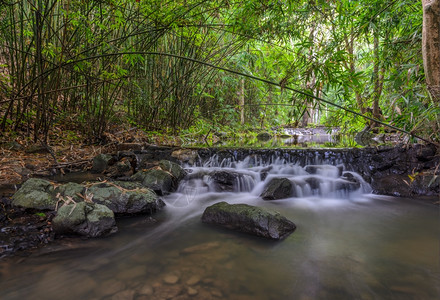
{"type": "Point", "coordinates": [125, 200]}
{"type": "Point", "coordinates": [277, 188]}
{"type": "Point", "coordinates": [249, 219]}
{"type": "Point", "coordinates": [86, 219]}
{"type": "Point", "coordinates": [35, 194]}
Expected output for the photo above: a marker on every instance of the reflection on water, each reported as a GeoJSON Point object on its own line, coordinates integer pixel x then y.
{"type": "Point", "coordinates": [357, 247]}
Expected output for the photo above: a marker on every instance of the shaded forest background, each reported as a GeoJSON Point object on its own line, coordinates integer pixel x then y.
{"type": "Point", "coordinates": [79, 68]}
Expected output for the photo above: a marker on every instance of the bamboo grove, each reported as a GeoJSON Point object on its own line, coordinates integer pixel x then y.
{"type": "Point", "coordinates": [85, 65]}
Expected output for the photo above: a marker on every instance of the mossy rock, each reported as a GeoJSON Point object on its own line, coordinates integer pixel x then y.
{"type": "Point", "coordinates": [174, 169]}
{"type": "Point", "coordinates": [72, 190]}
{"type": "Point", "coordinates": [249, 219]}
{"type": "Point", "coordinates": [86, 219]}
{"type": "Point", "coordinates": [35, 194]}
{"type": "Point", "coordinates": [124, 200]}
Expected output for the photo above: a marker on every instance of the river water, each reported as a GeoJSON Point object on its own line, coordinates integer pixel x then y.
{"type": "Point", "coordinates": [347, 245]}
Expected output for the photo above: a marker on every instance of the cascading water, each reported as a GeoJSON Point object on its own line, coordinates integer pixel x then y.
{"type": "Point", "coordinates": [349, 244]}
{"type": "Point", "coordinates": [253, 174]}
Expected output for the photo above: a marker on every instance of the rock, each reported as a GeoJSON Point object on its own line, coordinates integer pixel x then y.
{"type": "Point", "coordinates": [324, 170]}
{"type": "Point", "coordinates": [174, 169]}
{"type": "Point", "coordinates": [426, 184]}
{"type": "Point", "coordinates": [146, 289]}
{"type": "Point", "coordinates": [35, 194]}
{"type": "Point", "coordinates": [124, 295]}
{"type": "Point", "coordinates": [194, 279]}
{"type": "Point", "coordinates": [249, 219]}
{"type": "Point", "coordinates": [264, 136]}
{"type": "Point", "coordinates": [224, 180]}
{"type": "Point", "coordinates": [185, 155]}
{"type": "Point", "coordinates": [192, 291]}
{"type": "Point", "coordinates": [124, 167]}
{"type": "Point", "coordinates": [126, 201]}
{"type": "Point", "coordinates": [160, 181]}
{"type": "Point", "coordinates": [86, 219]}
{"type": "Point", "coordinates": [171, 279]}
{"type": "Point", "coordinates": [345, 185]}
{"type": "Point", "coordinates": [393, 185]}
{"type": "Point", "coordinates": [313, 182]}
{"type": "Point", "coordinates": [72, 190]}
{"type": "Point", "coordinates": [277, 188]}
{"type": "Point", "coordinates": [101, 162]}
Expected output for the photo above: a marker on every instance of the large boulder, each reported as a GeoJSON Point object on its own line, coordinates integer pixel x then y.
{"type": "Point", "coordinates": [249, 219]}
{"type": "Point", "coordinates": [277, 188]}
{"type": "Point", "coordinates": [36, 194]}
{"type": "Point", "coordinates": [84, 218]}
{"type": "Point", "coordinates": [125, 197]}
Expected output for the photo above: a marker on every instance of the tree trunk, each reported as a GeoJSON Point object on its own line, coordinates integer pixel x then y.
{"type": "Point", "coordinates": [431, 46]}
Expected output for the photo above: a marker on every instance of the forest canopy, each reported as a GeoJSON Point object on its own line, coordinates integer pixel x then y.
{"type": "Point", "coordinates": [178, 65]}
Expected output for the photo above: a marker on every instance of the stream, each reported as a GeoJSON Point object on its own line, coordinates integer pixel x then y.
{"type": "Point", "coordinates": [349, 244]}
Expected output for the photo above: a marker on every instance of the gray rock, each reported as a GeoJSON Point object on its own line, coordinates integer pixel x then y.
{"type": "Point", "coordinates": [126, 201]}
{"type": "Point", "coordinates": [224, 180]}
{"type": "Point", "coordinates": [160, 181]}
{"type": "Point", "coordinates": [174, 169]}
{"type": "Point", "coordinates": [86, 219]}
{"type": "Point", "coordinates": [71, 189]}
{"type": "Point", "coordinates": [35, 194]}
{"type": "Point", "coordinates": [278, 188]}
{"type": "Point", "coordinates": [249, 219]}
{"type": "Point", "coordinates": [101, 162]}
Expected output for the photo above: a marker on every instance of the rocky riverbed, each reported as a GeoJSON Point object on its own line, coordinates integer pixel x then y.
{"type": "Point", "coordinates": [398, 171]}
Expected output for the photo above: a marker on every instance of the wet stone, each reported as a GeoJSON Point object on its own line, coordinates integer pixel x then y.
{"type": "Point", "coordinates": [146, 289]}
{"type": "Point", "coordinates": [194, 279]}
{"type": "Point", "coordinates": [171, 279]}
{"type": "Point", "coordinates": [124, 295]}
{"type": "Point", "coordinates": [192, 291]}
{"type": "Point", "coordinates": [168, 292]}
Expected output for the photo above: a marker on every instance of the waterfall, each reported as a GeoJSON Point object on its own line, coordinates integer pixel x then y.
{"type": "Point", "coordinates": [309, 176]}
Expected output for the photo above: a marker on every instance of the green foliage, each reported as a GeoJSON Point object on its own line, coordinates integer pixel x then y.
{"type": "Point", "coordinates": [91, 63]}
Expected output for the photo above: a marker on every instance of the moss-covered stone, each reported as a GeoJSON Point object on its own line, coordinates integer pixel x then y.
{"type": "Point", "coordinates": [36, 194]}
{"type": "Point", "coordinates": [86, 219]}
{"type": "Point", "coordinates": [278, 188]}
{"type": "Point", "coordinates": [249, 219]}
{"type": "Point", "coordinates": [126, 198]}
{"type": "Point", "coordinates": [71, 189]}
{"type": "Point", "coordinates": [174, 169]}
